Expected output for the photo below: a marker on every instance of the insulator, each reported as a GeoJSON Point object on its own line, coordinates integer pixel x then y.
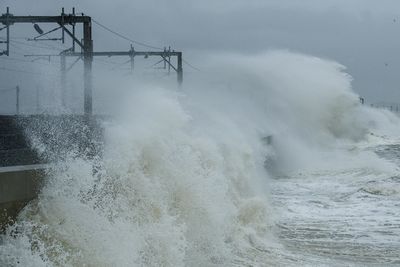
{"type": "Point", "coordinates": [37, 28]}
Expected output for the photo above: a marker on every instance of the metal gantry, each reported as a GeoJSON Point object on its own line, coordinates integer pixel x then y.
{"type": "Point", "coordinates": [63, 20]}
{"type": "Point", "coordinates": [132, 53]}
{"type": "Point", "coordinates": [87, 53]}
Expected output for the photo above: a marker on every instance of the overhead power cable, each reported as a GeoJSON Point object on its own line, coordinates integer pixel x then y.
{"type": "Point", "coordinates": [43, 46]}
{"type": "Point", "coordinates": [27, 61]}
{"type": "Point", "coordinates": [190, 65]}
{"type": "Point", "coordinates": [125, 37]}
{"type": "Point", "coordinates": [25, 71]}
{"type": "Point", "coordinates": [7, 89]}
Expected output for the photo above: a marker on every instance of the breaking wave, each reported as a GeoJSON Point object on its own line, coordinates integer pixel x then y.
{"type": "Point", "coordinates": [183, 179]}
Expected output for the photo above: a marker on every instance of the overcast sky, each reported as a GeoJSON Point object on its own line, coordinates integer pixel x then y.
{"type": "Point", "coordinates": [364, 35]}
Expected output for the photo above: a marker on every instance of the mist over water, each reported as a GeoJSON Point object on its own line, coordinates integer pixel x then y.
{"type": "Point", "coordinates": [240, 168]}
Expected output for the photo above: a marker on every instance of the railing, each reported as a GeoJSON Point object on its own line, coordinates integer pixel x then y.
{"type": "Point", "coordinates": [393, 107]}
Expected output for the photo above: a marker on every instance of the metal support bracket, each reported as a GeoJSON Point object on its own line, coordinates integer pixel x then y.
{"type": "Point", "coordinates": [37, 38]}
{"type": "Point", "coordinates": [72, 36]}
{"type": "Point", "coordinates": [169, 63]}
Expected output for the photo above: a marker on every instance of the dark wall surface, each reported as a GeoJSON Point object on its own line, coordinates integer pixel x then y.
{"type": "Point", "coordinates": [34, 139]}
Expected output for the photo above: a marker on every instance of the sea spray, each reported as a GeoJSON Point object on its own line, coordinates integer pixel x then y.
{"type": "Point", "coordinates": [161, 195]}
{"type": "Point", "coordinates": [181, 180]}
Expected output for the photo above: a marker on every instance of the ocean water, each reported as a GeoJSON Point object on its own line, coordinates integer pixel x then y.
{"type": "Point", "coordinates": [342, 218]}
{"type": "Point", "coordinates": [265, 160]}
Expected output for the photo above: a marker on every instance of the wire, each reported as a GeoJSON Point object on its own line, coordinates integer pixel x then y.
{"type": "Point", "coordinates": [113, 32]}
{"type": "Point", "coordinates": [7, 89]}
{"type": "Point", "coordinates": [190, 65]}
{"type": "Point", "coordinates": [19, 48]}
{"type": "Point", "coordinates": [25, 71]}
{"type": "Point", "coordinates": [126, 38]}
{"type": "Point", "coordinates": [27, 61]}
{"type": "Point", "coordinates": [37, 46]}
{"type": "Point", "coordinates": [107, 61]}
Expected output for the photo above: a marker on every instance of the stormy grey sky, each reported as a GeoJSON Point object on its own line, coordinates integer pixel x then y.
{"type": "Point", "coordinates": [364, 35]}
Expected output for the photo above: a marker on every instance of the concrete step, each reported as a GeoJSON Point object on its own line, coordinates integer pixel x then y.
{"type": "Point", "coordinates": [8, 125]}
{"type": "Point", "coordinates": [11, 135]}
{"type": "Point", "coordinates": [12, 141]}
{"type": "Point", "coordinates": [18, 185]}
{"type": "Point", "coordinates": [12, 157]}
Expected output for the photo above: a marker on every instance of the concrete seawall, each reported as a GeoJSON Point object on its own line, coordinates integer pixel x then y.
{"type": "Point", "coordinates": [18, 185]}
{"type": "Point", "coordinates": [22, 168]}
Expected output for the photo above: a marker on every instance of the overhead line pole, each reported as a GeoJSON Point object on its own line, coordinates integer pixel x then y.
{"type": "Point", "coordinates": [132, 57]}
{"type": "Point", "coordinates": [63, 63]}
{"type": "Point", "coordinates": [87, 61]}
{"type": "Point", "coordinates": [180, 69]}
{"type": "Point", "coordinates": [8, 33]}
{"type": "Point", "coordinates": [17, 90]}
